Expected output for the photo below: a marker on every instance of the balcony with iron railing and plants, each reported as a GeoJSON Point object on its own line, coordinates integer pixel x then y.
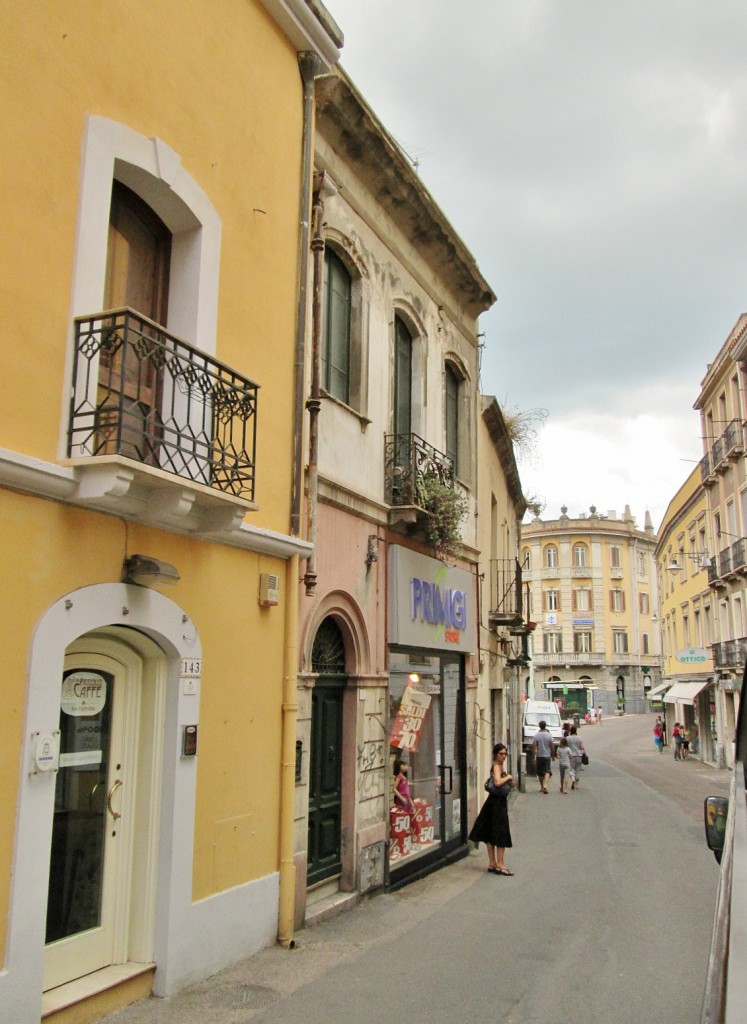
{"type": "Point", "coordinates": [421, 489]}
{"type": "Point", "coordinates": [158, 429]}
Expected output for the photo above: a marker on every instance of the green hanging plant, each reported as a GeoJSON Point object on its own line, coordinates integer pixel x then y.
{"type": "Point", "coordinates": [446, 510]}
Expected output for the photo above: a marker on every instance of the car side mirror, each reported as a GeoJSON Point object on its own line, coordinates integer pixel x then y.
{"type": "Point", "coordinates": [715, 811]}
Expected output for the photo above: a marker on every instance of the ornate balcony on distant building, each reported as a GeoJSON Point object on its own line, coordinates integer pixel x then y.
{"type": "Point", "coordinates": [734, 439]}
{"type": "Point", "coordinates": [730, 653]}
{"type": "Point", "coordinates": [707, 475]}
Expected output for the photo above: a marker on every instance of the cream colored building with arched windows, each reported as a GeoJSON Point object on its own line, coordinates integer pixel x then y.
{"type": "Point", "coordinates": [593, 597]}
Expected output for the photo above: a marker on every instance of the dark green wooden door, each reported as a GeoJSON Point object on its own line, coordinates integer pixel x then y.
{"type": "Point", "coordinates": [325, 781]}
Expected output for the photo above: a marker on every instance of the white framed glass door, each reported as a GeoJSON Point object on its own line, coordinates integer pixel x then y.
{"type": "Point", "coordinates": [92, 828]}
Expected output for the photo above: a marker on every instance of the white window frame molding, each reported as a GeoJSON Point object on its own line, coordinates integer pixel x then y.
{"type": "Point", "coordinates": [113, 151]}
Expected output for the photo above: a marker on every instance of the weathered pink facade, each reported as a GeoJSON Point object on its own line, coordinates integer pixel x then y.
{"type": "Point", "coordinates": [395, 297]}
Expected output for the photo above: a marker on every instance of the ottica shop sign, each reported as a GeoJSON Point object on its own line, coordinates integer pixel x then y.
{"type": "Point", "coordinates": [430, 604]}
{"type": "Point", "coordinates": [692, 655]}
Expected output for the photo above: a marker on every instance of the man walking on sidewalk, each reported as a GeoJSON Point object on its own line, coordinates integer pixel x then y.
{"type": "Point", "coordinates": [543, 750]}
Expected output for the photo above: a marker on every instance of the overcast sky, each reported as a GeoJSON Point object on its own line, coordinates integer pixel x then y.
{"type": "Point", "coordinates": [592, 154]}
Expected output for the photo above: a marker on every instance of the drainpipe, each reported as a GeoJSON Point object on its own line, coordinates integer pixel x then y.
{"type": "Point", "coordinates": [310, 65]}
{"type": "Point", "coordinates": [313, 403]}
{"type": "Point", "coordinates": [287, 895]}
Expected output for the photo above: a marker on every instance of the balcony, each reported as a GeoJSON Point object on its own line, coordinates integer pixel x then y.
{"type": "Point", "coordinates": [707, 475]}
{"type": "Point", "coordinates": [158, 427]}
{"type": "Point", "coordinates": [410, 466]}
{"type": "Point", "coordinates": [724, 562]}
{"type": "Point", "coordinates": [506, 597]}
{"type": "Point", "coordinates": [730, 653]}
{"type": "Point", "coordinates": [739, 556]}
{"type": "Point", "coordinates": [718, 455]}
{"type": "Point", "coordinates": [569, 658]}
{"type": "Point", "coordinates": [734, 439]}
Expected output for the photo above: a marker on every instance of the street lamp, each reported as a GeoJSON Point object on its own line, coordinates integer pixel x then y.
{"type": "Point", "coordinates": [702, 557]}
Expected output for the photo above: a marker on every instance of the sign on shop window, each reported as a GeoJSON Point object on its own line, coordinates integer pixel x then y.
{"type": "Point", "coordinates": [408, 725]}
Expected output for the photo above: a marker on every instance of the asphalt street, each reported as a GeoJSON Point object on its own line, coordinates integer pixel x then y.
{"type": "Point", "coordinates": [606, 920]}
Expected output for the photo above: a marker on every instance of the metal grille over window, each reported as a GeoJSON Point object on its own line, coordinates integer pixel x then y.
{"type": "Point", "coordinates": [328, 652]}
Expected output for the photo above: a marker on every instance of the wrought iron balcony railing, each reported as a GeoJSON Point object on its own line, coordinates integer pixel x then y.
{"type": "Point", "coordinates": [730, 653]}
{"type": "Point", "coordinates": [718, 452]}
{"type": "Point", "coordinates": [734, 437]}
{"type": "Point", "coordinates": [141, 393]}
{"type": "Point", "coordinates": [705, 468]}
{"type": "Point", "coordinates": [739, 554]}
{"type": "Point", "coordinates": [408, 462]}
{"type": "Point", "coordinates": [724, 562]}
{"type": "Point", "coordinates": [506, 595]}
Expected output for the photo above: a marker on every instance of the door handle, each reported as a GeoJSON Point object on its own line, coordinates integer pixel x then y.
{"type": "Point", "coordinates": [112, 791]}
{"type": "Point", "coordinates": [92, 797]}
{"type": "Point", "coordinates": [446, 768]}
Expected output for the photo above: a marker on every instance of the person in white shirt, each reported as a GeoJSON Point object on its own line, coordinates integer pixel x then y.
{"type": "Point", "coordinates": [543, 750]}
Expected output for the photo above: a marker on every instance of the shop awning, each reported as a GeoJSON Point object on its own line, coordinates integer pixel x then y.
{"type": "Point", "coordinates": [656, 692]}
{"type": "Point", "coordinates": [685, 693]}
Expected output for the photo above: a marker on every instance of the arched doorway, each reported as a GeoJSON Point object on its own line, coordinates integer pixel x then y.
{"type": "Point", "coordinates": [324, 855]}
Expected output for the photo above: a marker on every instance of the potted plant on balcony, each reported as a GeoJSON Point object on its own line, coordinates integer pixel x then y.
{"type": "Point", "coordinates": [446, 509]}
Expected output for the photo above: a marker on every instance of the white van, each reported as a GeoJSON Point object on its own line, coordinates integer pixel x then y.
{"type": "Point", "coordinates": [536, 711]}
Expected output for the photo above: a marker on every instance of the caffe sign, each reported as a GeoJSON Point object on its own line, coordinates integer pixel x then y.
{"type": "Point", "coordinates": [83, 693]}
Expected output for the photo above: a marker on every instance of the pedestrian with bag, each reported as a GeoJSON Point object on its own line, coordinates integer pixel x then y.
{"type": "Point", "coordinates": [659, 736]}
{"type": "Point", "coordinates": [491, 826]}
{"type": "Point", "coordinates": [578, 751]}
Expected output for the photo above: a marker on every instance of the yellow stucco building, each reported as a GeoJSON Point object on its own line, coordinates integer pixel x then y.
{"type": "Point", "coordinates": [686, 625]}
{"type": "Point", "coordinates": [593, 593]}
{"type": "Point", "coordinates": [156, 164]}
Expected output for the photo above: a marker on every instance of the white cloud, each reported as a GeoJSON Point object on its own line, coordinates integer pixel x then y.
{"type": "Point", "coordinates": [591, 154]}
{"type": "Point", "coordinates": [611, 460]}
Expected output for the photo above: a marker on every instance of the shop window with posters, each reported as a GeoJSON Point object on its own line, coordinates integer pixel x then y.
{"type": "Point", "coordinates": [425, 749]}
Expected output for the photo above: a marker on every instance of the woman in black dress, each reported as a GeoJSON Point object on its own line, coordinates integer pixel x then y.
{"type": "Point", "coordinates": [492, 826]}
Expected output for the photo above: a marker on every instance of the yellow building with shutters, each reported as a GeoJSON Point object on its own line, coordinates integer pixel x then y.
{"type": "Point", "coordinates": [156, 167]}
{"type": "Point", "coordinates": [594, 599]}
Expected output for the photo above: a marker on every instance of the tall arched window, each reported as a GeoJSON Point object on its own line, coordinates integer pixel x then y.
{"type": "Point", "coordinates": [551, 557]}
{"type": "Point", "coordinates": [579, 555]}
{"type": "Point", "coordinates": [337, 320]}
{"type": "Point", "coordinates": [402, 411]}
{"type": "Point", "coordinates": [451, 416]}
